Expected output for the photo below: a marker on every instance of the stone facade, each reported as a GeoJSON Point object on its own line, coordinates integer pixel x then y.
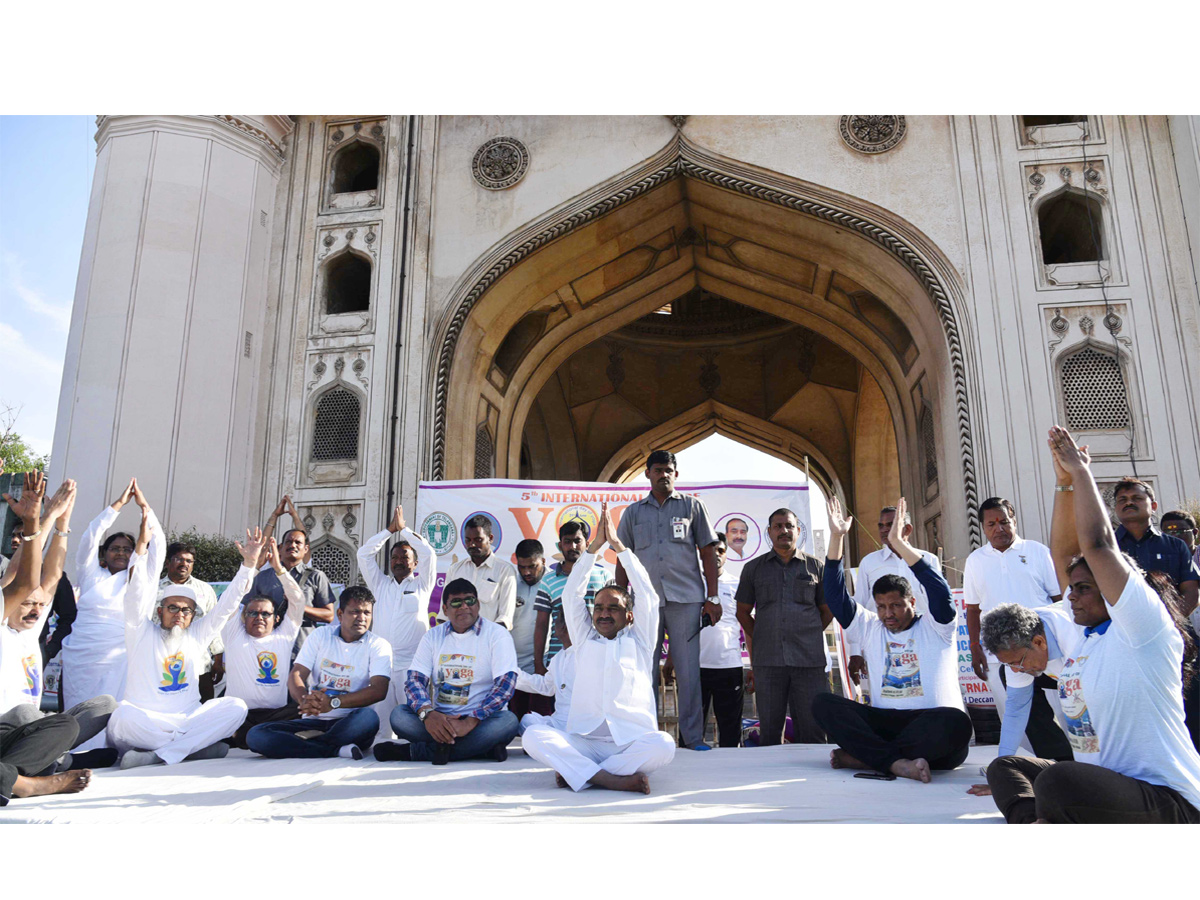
{"type": "Point", "coordinates": [337, 307]}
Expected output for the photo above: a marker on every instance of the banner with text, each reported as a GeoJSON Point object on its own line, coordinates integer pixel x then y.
{"type": "Point", "coordinates": [536, 509]}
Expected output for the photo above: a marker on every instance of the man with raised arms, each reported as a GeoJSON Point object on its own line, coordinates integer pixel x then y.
{"type": "Point", "coordinates": [918, 722]}
{"type": "Point", "coordinates": [611, 739]}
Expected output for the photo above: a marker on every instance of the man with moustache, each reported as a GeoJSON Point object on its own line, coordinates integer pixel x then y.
{"type": "Point", "coordinates": [737, 532]}
{"type": "Point", "coordinates": [1134, 504]}
{"type": "Point", "coordinates": [572, 541]}
{"type": "Point", "coordinates": [494, 579]}
{"type": "Point", "coordinates": [318, 593]}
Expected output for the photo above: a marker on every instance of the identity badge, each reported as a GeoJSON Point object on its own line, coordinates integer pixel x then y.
{"type": "Point", "coordinates": [679, 528]}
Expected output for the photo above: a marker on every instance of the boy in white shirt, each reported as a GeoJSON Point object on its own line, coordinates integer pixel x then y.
{"type": "Point", "coordinates": [341, 671]}
{"type": "Point", "coordinates": [611, 738]}
{"type": "Point", "coordinates": [558, 682]}
{"type": "Point", "coordinates": [161, 719]}
{"type": "Point", "coordinates": [256, 652]}
{"type": "Point", "coordinates": [458, 687]}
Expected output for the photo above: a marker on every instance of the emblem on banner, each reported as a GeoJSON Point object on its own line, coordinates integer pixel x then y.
{"type": "Point", "coordinates": [580, 512]}
{"type": "Point", "coordinates": [438, 528]}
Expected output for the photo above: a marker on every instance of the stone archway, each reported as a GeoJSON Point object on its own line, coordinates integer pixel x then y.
{"type": "Point", "coordinates": [686, 221]}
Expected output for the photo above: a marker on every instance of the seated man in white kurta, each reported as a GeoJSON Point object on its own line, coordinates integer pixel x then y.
{"type": "Point", "coordinates": [161, 719]}
{"type": "Point", "coordinates": [558, 682]}
{"type": "Point", "coordinates": [611, 737]}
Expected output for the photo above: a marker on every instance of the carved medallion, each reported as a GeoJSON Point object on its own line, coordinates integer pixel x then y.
{"type": "Point", "coordinates": [873, 134]}
{"type": "Point", "coordinates": [500, 163]}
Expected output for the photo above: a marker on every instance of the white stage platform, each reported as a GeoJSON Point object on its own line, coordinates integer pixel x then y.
{"type": "Point", "coordinates": [774, 784]}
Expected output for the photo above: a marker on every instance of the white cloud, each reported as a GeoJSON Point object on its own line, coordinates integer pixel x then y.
{"type": "Point", "coordinates": [59, 314]}
{"type": "Point", "coordinates": [30, 380]}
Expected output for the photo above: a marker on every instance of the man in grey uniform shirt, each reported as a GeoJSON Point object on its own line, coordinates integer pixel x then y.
{"type": "Point", "coordinates": [665, 530]}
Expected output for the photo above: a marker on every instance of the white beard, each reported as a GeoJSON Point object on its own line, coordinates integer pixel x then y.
{"type": "Point", "coordinates": [173, 637]}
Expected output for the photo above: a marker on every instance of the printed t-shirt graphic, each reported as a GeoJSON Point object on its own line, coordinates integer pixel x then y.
{"type": "Point", "coordinates": [33, 677]}
{"type": "Point", "coordinates": [1080, 730]}
{"type": "Point", "coordinates": [455, 675]}
{"type": "Point", "coordinates": [174, 674]}
{"type": "Point", "coordinates": [334, 678]}
{"type": "Point", "coordinates": [268, 668]}
{"type": "Point", "coordinates": [902, 673]}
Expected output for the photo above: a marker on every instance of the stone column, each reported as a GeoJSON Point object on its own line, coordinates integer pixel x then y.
{"type": "Point", "coordinates": [166, 332]}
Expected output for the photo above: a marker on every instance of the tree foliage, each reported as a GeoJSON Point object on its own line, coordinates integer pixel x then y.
{"type": "Point", "coordinates": [217, 558]}
{"type": "Point", "coordinates": [18, 456]}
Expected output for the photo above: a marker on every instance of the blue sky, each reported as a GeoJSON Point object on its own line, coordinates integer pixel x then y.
{"type": "Point", "coordinates": [46, 165]}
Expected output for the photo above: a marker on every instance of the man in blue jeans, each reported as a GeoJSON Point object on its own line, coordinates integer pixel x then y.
{"type": "Point", "coordinates": [458, 687]}
{"type": "Point", "coordinates": [347, 668]}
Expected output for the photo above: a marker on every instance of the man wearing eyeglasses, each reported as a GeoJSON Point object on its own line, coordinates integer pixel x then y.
{"type": "Point", "coordinates": [161, 719]}
{"type": "Point", "coordinates": [257, 653]}
{"type": "Point", "coordinates": [458, 687]}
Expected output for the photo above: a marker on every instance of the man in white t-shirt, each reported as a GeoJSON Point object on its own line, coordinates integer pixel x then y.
{"type": "Point", "coordinates": [558, 682]}
{"type": "Point", "coordinates": [340, 672]}
{"type": "Point", "coordinates": [886, 561]}
{"type": "Point", "coordinates": [161, 719]}
{"type": "Point", "coordinates": [401, 614]}
{"type": "Point", "coordinates": [721, 670]}
{"type": "Point", "coordinates": [917, 722]}
{"type": "Point", "coordinates": [458, 687]}
{"type": "Point", "coordinates": [181, 560]}
{"type": "Point", "coordinates": [1010, 569]}
{"type": "Point", "coordinates": [495, 580]}
{"type": "Point", "coordinates": [257, 652]}
{"type": "Point", "coordinates": [611, 738]}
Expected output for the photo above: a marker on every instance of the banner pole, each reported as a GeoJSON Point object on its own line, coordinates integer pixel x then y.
{"type": "Point", "coordinates": [806, 479]}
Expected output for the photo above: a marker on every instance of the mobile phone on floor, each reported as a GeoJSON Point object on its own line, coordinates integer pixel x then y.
{"type": "Point", "coordinates": [875, 776]}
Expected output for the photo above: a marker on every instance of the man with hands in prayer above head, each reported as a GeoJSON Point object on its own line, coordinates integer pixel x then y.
{"type": "Point", "coordinates": [161, 719]}
{"type": "Point", "coordinates": [917, 722]}
{"type": "Point", "coordinates": [611, 739]}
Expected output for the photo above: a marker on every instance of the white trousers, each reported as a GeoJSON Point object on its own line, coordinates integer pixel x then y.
{"type": "Point", "coordinates": [174, 736]}
{"type": "Point", "coordinates": [577, 758]}
{"type": "Point", "coordinates": [383, 709]}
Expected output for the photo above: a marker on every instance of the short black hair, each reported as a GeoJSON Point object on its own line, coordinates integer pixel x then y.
{"type": "Point", "coordinates": [574, 526]}
{"type": "Point", "coordinates": [460, 587]}
{"type": "Point", "coordinates": [1126, 483]}
{"type": "Point", "coordinates": [624, 593]}
{"type": "Point", "coordinates": [283, 540]}
{"type": "Point", "coordinates": [480, 521]}
{"type": "Point", "coordinates": [997, 503]}
{"type": "Point", "coordinates": [180, 547]}
{"type": "Point", "coordinates": [1178, 515]}
{"type": "Point", "coordinates": [359, 592]}
{"type": "Point", "coordinates": [886, 584]}
{"type": "Point", "coordinates": [721, 538]}
{"type": "Point", "coordinates": [658, 457]}
{"type": "Point", "coordinates": [530, 549]}
{"type": "Point", "coordinates": [782, 511]}
{"type": "Point", "coordinates": [112, 537]}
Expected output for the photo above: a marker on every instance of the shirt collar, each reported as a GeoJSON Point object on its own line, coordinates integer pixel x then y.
{"type": "Point", "coordinates": [1122, 532]}
{"type": "Point", "coordinates": [486, 564]}
{"type": "Point", "coordinates": [337, 633]}
{"type": "Point", "coordinates": [1053, 651]}
{"type": "Point", "coordinates": [649, 498]}
{"type": "Point", "coordinates": [477, 627]}
{"type": "Point", "coordinates": [1018, 545]}
{"type": "Point", "coordinates": [1097, 629]}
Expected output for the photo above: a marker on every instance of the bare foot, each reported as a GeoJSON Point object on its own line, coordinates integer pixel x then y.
{"type": "Point", "coordinates": [635, 782]}
{"type": "Point", "coordinates": [980, 790]}
{"type": "Point", "coordinates": [560, 781]}
{"type": "Point", "coordinates": [71, 782]}
{"type": "Point", "coordinates": [916, 769]}
{"type": "Point", "coordinates": [840, 759]}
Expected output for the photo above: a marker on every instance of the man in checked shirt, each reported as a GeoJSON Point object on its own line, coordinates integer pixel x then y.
{"type": "Point", "coordinates": [458, 687]}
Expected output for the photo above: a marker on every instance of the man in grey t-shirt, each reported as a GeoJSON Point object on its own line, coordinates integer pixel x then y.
{"type": "Point", "coordinates": [665, 530]}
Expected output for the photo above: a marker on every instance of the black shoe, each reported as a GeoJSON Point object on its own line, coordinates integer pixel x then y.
{"type": "Point", "coordinates": [441, 754]}
{"type": "Point", "coordinates": [101, 758]}
{"type": "Point", "coordinates": [393, 751]}
{"type": "Point", "coordinates": [499, 752]}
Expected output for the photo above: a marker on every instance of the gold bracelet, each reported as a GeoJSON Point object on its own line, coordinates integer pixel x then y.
{"type": "Point", "coordinates": [1064, 487]}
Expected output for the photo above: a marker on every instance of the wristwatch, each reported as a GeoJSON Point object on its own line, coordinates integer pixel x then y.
{"type": "Point", "coordinates": [336, 703]}
{"type": "Point", "coordinates": [716, 600]}
{"type": "Point", "coordinates": [424, 712]}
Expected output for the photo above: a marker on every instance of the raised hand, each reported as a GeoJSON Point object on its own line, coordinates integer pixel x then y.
{"type": "Point", "coordinates": [896, 532]}
{"type": "Point", "coordinates": [599, 536]}
{"type": "Point", "coordinates": [273, 556]}
{"type": "Point", "coordinates": [839, 524]}
{"type": "Point", "coordinates": [139, 498]}
{"type": "Point", "coordinates": [397, 523]}
{"type": "Point", "coordinates": [62, 501]}
{"type": "Point", "coordinates": [610, 530]}
{"type": "Point", "coordinates": [1070, 460]}
{"type": "Point", "coordinates": [125, 495]}
{"type": "Point", "coordinates": [29, 508]}
{"type": "Point", "coordinates": [281, 508]}
{"type": "Point", "coordinates": [253, 547]}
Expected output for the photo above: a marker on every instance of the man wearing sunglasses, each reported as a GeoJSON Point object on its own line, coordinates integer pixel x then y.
{"type": "Point", "coordinates": [161, 719]}
{"type": "Point", "coordinates": [257, 653]}
{"type": "Point", "coordinates": [458, 687]}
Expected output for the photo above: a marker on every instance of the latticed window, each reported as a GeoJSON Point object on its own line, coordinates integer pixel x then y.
{"type": "Point", "coordinates": [1094, 391]}
{"type": "Point", "coordinates": [484, 453]}
{"type": "Point", "coordinates": [332, 559]}
{"type": "Point", "coordinates": [335, 432]}
{"type": "Point", "coordinates": [929, 447]}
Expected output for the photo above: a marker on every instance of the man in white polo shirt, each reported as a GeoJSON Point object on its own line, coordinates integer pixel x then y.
{"type": "Point", "coordinates": [1010, 569]}
{"type": "Point", "coordinates": [257, 652]}
{"type": "Point", "coordinates": [401, 615]}
{"type": "Point", "coordinates": [341, 672]}
{"type": "Point", "coordinates": [611, 739]}
{"type": "Point", "coordinates": [886, 561]}
{"type": "Point", "coordinates": [495, 580]}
